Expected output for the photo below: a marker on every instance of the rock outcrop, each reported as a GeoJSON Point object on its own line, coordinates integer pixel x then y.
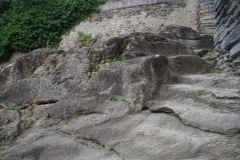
{"type": "Point", "coordinates": [157, 103]}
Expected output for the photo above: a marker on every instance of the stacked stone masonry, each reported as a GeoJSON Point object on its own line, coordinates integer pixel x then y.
{"type": "Point", "coordinates": [206, 24]}
{"type": "Point", "coordinates": [227, 35]}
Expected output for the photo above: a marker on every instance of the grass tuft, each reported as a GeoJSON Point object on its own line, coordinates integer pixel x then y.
{"type": "Point", "coordinates": [216, 69]}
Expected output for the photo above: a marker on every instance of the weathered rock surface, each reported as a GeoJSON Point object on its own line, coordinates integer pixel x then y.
{"type": "Point", "coordinates": [153, 105]}
{"type": "Point", "coordinates": [127, 16]}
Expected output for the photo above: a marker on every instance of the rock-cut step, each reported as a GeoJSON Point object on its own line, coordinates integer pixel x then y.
{"type": "Point", "coordinates": [201, 117]}
{"type": "Point", "coordinates": [188, 64]}
{"type": "Point", "coordinates": [222, 99]}
{"type": "Point", "coordinates": [222, 81]}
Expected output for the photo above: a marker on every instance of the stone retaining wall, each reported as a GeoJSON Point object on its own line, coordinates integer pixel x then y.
{"type": "Point", "coordinates": [206, 24]}
{"type": "Point", "coordinates": [227, 36]}
{"type": "Point", "coordinates": [117, 4]}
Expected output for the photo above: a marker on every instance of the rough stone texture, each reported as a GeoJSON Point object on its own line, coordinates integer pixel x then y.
{"type": "Point", "coordinates": [232, 39]}
{"type": "Point", "coordinates": [165, 108]}
{"type": "Point", "coordinates": [235, 51]}
{"type": "Point", "coordinates": [157, 111]}
{"type": "Point", "coordinates": [200, 52]}
{"type": "Point", "coordinates": [188, 65]}
{"type": "Point", "coordinates": [187, 33]}
{"type": "Point", "coordinates": [206, 41]}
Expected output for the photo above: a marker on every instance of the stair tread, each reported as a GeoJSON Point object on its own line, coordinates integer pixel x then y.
{"type": "Point", "coordinates": [220, 121]}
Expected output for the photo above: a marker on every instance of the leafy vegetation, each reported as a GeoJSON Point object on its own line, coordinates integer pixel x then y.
{"type": "Point", "coordinates": [95, 99]}
{"type": "Point", "coordinates": [89, 75]}
{"type": "Point", "coordinates": [65, 121]}
{"type": "Point", "coordinates": [209, 50]}
{"type": "Point", "coordinates": [113, 98]}
{"type": "Point", "coordinates": [27, 125]}
{"type": "Point", "coordinates": [188, 53]}
{"type": "Point", "coordinates": [29, 24]}
{"type": "Point", "coordinates": [95, 68]}
{"type": "Point", "coordinates": [83, 38]}
{"type": "Point", "coordinates": [124, 100]}
{"type": "Point", "coordinates": [13, 109]}
{"type": "Point", "coordinates": [216, 69]}
{"type": "Point", "coordinates": [115, 59]}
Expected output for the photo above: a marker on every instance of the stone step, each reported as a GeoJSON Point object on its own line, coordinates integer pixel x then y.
{"type": "Point", "coordinates": [199, 116]}
{"type": "Point", "coordinates": [211, 21]}
{"type": "Point", "coordinates": [220, 81]}
{"type": "Point", "coordinates": [209, 7]}
{"type": "Point", "coordinates": [215, 98]}
{"type": "Point", "coordinates": [188, 64]}
{"type": "Point", "coordinates": [152, 47]}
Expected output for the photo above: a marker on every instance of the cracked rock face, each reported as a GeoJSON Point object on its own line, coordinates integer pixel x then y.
{"type": "Point", "coordinates": [155, 104]}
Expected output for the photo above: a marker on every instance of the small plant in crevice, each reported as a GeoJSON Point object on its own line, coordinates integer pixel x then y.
{"type": "Point", "coordinates": [95, 99]}
{"type": "Point", "coordinates": [113, 98]}
{"type": "Point", "coordinates": [89, 48]}
{"type": "Point", "coordinates": [13, 108]}
{"type": "Point", "coordinates": [128, 40]}
{"type": "Point", "coordinates": [209, 50]}
{"type": "Point", "coordinates": [188, 53]}
{"type": "Point", "coordinates": [115, 59]}
{"type": "Point", "coordinates": [85, 38]}
{"type": "Point", "coordinates": [28, 76]}
{"type": "Point", "coordinates": [95, 68]}
{"type": "Point", "coordinates": [65, 121]}
{"type": "Point", "coordinates": [47, 69]}
{"type": "Point", "coordinates": [27, 125]}
{"type": "Point", "coordinates": [124, 100]}
{"type": "Point", "coordinates": [89, 75]}
{"type": "Point", "coordinates": [216, 69]}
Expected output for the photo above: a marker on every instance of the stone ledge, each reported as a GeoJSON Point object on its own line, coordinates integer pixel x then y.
{"type": "Point", "coordinates": [235, 51]}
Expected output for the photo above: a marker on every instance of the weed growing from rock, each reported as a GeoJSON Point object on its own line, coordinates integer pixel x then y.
{"type": "Point", "coordinates": [13, 108]}
{"type": "Point", "coordinates": [95, 99]}
{"type": "Point", "coordinates": [187, 53]}
{"type": "Point", "coordinates": [216, 69]}
{"type": "Point", "coordinates": [85, 38]}
{"type": "Point", "coordinates": [209, 50]}
{"type": "Point", "coordinates": [115, 59]}
{"type": "Point", "coordinates": [95, 68]}
{"type": "Point", "coordinates": [124, 100]}
{"type": "Point", "coordinates": [113, 98]}
{"type": "Point", "coordinates": [27, 125]}
{"type": "Point", "coordinates": [65, 121]}
{"type": "Point", "coordinates": [89, 75]}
